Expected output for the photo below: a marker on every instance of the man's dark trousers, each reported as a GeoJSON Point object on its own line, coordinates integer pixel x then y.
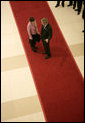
{"type": "Point", "coordinates": [46, 47]}
{"type": "Point", "coordinates": [46, 33]}
{"type": "Point", "coordinates": [58, 3]}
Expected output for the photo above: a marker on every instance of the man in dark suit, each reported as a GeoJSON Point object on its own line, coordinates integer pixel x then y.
{"type": "Point", "coordinates": [46, 35]}
{"type": "Point", "coordinates": [58, 3]}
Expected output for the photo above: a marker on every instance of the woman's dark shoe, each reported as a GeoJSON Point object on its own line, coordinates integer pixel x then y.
{"type": "Point", "coordinates": [44, 53]}
{"type": "Point", "coordinates": [47, 57]}
{"type": "Point", "coordinates": [83, 31]}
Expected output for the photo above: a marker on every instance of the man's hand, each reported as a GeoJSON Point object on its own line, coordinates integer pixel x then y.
{"type": "Point", "coordinates": [38, 33]}
{"type": "Point", "coordinates": [46, 40]}
{"type": "Point", "coordinates": [30, 38]}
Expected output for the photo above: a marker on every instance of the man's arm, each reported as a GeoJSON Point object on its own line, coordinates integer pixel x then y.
{"type": "Point", "coordinates": [41, 32]}
{"type": "Point", "coordinates": [36, 27]}
{"type": "Point", "coordinates": [29, 32]}
{"type": "Point", "coordinates": [50, 32]}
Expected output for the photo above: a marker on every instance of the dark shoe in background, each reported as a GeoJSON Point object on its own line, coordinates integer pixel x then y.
{"type": "Point", "coordinates": [62, 5]}
{"type": "Point", "coordinates": [78, 13]}
{"type": "Point", "coordinates": [73, 7]}
{"type": "Point", "coordinates": [76, 9]}
{"type": "Point", "coordinates": [69, 5]}
{"type": "Point", "coordinates": [57, 6]}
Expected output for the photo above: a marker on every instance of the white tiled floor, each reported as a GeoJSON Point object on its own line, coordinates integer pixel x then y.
{"type": "Point", "coordinates": [37, 117]}
{"type": "Point", "coordinates": [10, 39]}
{"type": "Point", "coordinates": [71, 26]}
{"type": "Point", "coordinates": [70, 23]}
{"type": "Point", "coordinates": [80, 62]}
{"type": "Point", "coordinates": [18, 83]}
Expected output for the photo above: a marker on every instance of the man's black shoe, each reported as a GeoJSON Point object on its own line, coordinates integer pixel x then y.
{"type": "Point", "coordinates": [78, 13]}
{"type": "Point", "coordinates": [35, 47]}
{"type": "Point", "coordinates": [34, 50]}
{"type": "Point", "coordinates": [83, 31]}
{"type": "Point", "coordinates": [47, 57]}
{"type": "Point", "coordinates": [44, 53]}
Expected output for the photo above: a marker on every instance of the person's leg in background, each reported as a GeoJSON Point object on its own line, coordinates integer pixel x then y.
{"type": "Point", "coordinates": [79, 6]}
{"type": "Point", "coordinates": [63, 3]}
{"type": "Point", "coordinates": [83, 16]}
{"type": "Point", "coordinates": [70, 3]}
{"type": "Point", "coordinates": [58, 4]}
{"type": "Point", "coordinates": [74, 5]}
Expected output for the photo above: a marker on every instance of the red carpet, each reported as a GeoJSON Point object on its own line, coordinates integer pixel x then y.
{"type": "Point", "coordinates": [58, 81]}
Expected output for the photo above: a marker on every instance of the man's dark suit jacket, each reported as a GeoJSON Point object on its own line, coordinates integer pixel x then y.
{"type": "Point", "coordinates": [46, 33]}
